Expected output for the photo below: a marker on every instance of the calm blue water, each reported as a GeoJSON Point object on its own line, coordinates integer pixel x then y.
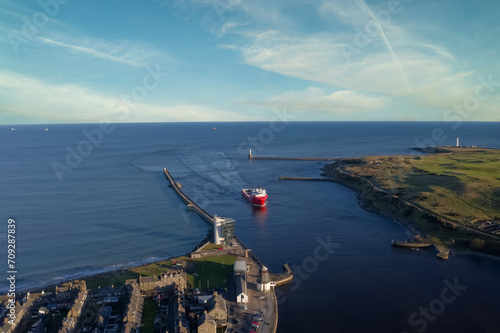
{"type": "Point", "coordinates": [115, 209]}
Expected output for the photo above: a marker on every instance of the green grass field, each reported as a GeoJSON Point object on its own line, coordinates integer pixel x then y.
{"type": "Point", "coordinates": [437, 193]}
{"type": "Point", "coordinates": [211, 246]}
{"type": "Point", "coordinates": [148, 316]}
{"type": "Point", "coordinates": [462, 185]}
{"type": "Point", "coordinates": [158, 267]}
{"type": "Point", "coordinates": [211, 272]}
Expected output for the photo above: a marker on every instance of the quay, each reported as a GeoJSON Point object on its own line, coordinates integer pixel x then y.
{"type": "Point", "coordinates": [443, 252]}
{"type": "Point", "coordinates": [251, 157]}
{"type": "Point", "coordinates": [410, 244]}
{"type": "Point", "coordinates": [281, 279]}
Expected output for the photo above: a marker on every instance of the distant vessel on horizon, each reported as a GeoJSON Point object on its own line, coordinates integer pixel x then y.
{"type": "Point", "coordinates": [257, 196]}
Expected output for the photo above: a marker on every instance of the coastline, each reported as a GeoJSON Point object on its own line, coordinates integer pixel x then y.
{"type": "Point", "coordinates": [107, 274]}
{"type": "Point", "coordinates": [375, 199]}
{"type": "Point", "coordinates": [332, 172]}
{"type": "Point", "coordinates": [343, 178]}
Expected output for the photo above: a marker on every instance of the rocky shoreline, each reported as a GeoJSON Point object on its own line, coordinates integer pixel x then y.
{"type": "Point", "coordinates": [375, 199]}
{"type": "Point", "coordinates": [372, 198]}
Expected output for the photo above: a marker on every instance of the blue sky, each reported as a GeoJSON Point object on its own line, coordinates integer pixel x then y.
{"type": "Point", "coordinates": [70, 61]}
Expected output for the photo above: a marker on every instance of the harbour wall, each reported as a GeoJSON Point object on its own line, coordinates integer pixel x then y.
{"type": "Point", "coordinates": [191, 205]}
{"type": "Point", "coordinates": [304, 178]}
{"type": "Point", "coordinates": [251, 157]}
{"type": "Point", "coordinates": [281, 279]}
{"type": "Point", "coordinates": [292, 158]}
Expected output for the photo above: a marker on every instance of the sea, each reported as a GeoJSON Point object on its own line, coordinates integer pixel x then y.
{"type": "Point", "coordinates": [91, 198]}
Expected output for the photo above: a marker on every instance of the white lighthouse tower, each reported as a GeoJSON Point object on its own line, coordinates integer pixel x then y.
{"type": "Point", "coordinates": [458, 141]}
{"type": "Point", "coordinates": [263, 281]}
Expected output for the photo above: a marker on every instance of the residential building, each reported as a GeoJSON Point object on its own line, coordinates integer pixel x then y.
{"type": "Point", "coordinates": [206, 324]}
{"type": "Point", "coordinates": [241, 289]}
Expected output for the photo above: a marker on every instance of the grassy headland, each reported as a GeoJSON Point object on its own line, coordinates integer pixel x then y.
{"type": "Point", "coordinates": [446, 195]}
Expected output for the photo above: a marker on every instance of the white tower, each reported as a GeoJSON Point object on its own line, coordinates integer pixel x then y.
{"type": "Point", "coordinates": [458, 141]}
{"type": "Point", "coordinates": [263, 281]}
{"type": "Point", "coordinates": [218, 229]}
{"type": "Point", "coordinates": [223, 229]}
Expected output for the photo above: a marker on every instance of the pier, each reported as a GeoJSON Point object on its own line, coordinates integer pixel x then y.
{"type": "Point", "coordinates": [305, 178]}
{"type": "Point", "coordinates": [251, 157]}
{"type": "Point", "coordinates": [281, 279]}
{"type": "Point", "coordinates": [191, 205]}
{"type": "Point", "coordinates": [443, 252]}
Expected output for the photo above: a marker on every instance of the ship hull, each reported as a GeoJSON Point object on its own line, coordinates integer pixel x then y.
{"type": "Point", "coordinates": [258, 201]}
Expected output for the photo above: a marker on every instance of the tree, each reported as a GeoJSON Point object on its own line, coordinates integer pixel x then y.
{"type": "Point", "coordinates": [477, 243]}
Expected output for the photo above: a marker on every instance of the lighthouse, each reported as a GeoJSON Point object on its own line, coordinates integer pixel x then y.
{"type": "Point", "coordinates": [263, 281]}
{"type": "Point", "coordinates": [458, 141]}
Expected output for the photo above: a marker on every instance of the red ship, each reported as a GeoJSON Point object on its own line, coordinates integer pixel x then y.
{"type": "Point", "coordinates": [257, 196]}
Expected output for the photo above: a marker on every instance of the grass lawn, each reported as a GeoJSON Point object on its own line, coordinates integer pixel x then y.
{"type": "Point", "coordinates": [157, 268]}
{"type": "Point", "coordinates": [452, 184]}
{"type": "Point", "coordinates": [212, 246]}
{"type": "Point", "coordinates": [211, 272]}
{"type": "Point", "coordinates": [54, 322]}
{"type": "Point", "coordinates": [148, 315]}
{"type": "Point", "coordinates": [471, 183]}
{"type": "Point", "coordinates": [462, 184]}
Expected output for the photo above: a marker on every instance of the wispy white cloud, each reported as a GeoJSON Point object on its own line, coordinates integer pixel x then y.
{"type": "Point", "coordinates": [345, 11]}
{"type": "Point", "coordinates": [320, 57]}
{"type": "Point", "coordinates": [316, 43]}
{"type": "Point", "coordinates": [35, 99]}
{"type": "Point", "coordinates": [339, 102]}
{"type": "Point", "coordinates": [226, 27]}
{"type": "Point", "coordinates": [132, 53]}
{"type": "Point", "coordinates": [390, 49]}
{"type": "Point", "coordinates": [228, 47]}
{"type": "Point", "coordinates": [14, 9]}
{"type": "Point", "coordinates": [18, 20]}
{"type": "Point", "coordinates": [395, 63]}
{"type": "Point", "coordinates": [222, 16]}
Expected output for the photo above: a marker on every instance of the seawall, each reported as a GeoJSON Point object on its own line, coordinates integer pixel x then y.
{"type": "Point", "coordinates": [191, 205]}
{"type": "Point", "coordinates": [304, 178]}
{"type": "Point", "coordinates": [251, 157]}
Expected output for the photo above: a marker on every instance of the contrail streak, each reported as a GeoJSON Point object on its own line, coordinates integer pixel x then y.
{"type": "Point", "coordinates": [362, 4]}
